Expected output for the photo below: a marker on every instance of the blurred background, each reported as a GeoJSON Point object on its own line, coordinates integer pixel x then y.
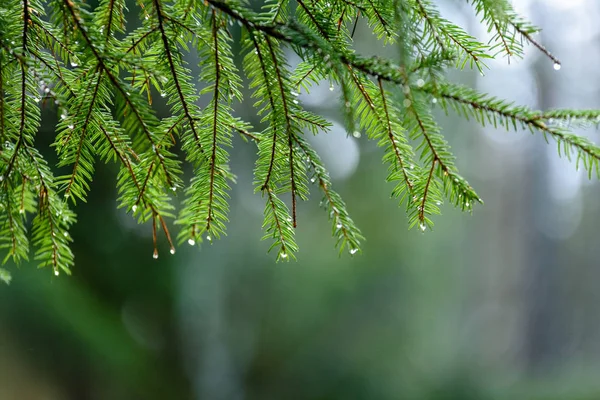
{"type": "Point", "coordinates": [500, 304]}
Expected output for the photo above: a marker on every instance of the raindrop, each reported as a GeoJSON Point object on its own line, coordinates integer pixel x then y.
{"type": "Point", "coordinates": [339, 225]}
{"type": "Point", "coordinates": [422, 226]}
{"type": "Point", "coordinates": [312, 180]}
{"type": "Point", "coordinates": [174, 188]}
{"type": "Point", "coordinates": [420, 82]}
{"type": "Point", "coordinates": [147, 16]}
{"type": "Point", "coordinates": [557, 66]}
{"type": "Point", "coordinates": [356, 134]}
{"type": "Point", "coordinates": [406, 89]}
{"type": "Point", "coordinates": [63, 116]}
{"type": "Point", "coordinates": [295, 94]}
{"type": "Point", "coordinates": [438, 203]}
{"type": "Point", "coordinates": [467, 204]}
{"type": "Point", "coordinates": [163, 94]}
{"type": "Point", "coordinates": [66, 234]}
{"type": "Point", "coordinates": [283, 254]}
{"type": "Point", "coordinates": [406, 103]}
{"type": "Point", "coordinates": [172, 251]}
{"type": "Point", "coordinates": [191, 242]}
{"type": "Point", "coordinates": [21, 211]}
{"type": "Point", "coordinates": [209, 238]}
{"type": "Point", "coordinates": [331, 87]}
{"type": "Point", "coordinates": [47, 90]}
{"type": "Point", "coordinates": [347, 104]}
{"type": "Point", "coordinates": [353, 251]}
{"type": "Point", "coordinates": [134, 208]}
{"type": "Point", "coordinates": [155, 254]}
{"type": "Point", "coordinates": [74, 64]}
{"type": "Point", "coordinates": [71, 126]}
{"type": "Point", "coordinates": [295, 101]}
{"type": "Point", "coordinates": [434, 100]}
{"type": "Point", "coordinates": [56, 272]}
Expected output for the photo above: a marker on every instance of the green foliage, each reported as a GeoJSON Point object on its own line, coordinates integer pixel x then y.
{"type": "Point", "coordinates": [100, 76]}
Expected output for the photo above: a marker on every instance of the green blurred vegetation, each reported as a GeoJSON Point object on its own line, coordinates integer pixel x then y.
{"type": "Point", "coordinates": [488, 306]}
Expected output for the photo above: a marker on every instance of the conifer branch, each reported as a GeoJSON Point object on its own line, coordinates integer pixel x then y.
{"type": "Point", "coordinates": [102, 76]}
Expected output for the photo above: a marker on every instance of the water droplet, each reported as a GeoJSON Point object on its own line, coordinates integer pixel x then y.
{"type": "Point", "coordinates": [46, 90]}
{"type": "Point", "coordinates": [66, 234]}
{"type": "Point", "coordinates": [209, 238]}
{"type": "Point", "coordinates": [56, 272]}
{"type": "Point", "coordinates": [312, 180]}
{"type": "Point", "coordinates": [331, 88]}
{"type": "Point", "coordinates": [438, 203]}
{"type": "Point", "coordinates": [434, 100]}
{"type": "Point", "coordinates": [283, 254]}
{"type": "Point", "coordinates": [295, 101]}
{"type": "Point", "coordinates": [356, 134]}
{"type": "Point", "coordinates": [353, 251]}
{"type": "Point", "coordinates": [134, 208]}
{"type": "Point", "coordinates": [295, 94]}
{"type": "Point", "coordinates": [71, 126]}
{"type": "Point", "coordinates": [339, 225]}
{"type": "Point", "coordinates": [1, 178]}
{"type": "Point", "coordinates": [406, 89]}
{"type": "Point", "coordinates": [191, 242]}
{"type": "Point", "coordinates": [63, 116]}
{"type": "Point", "coordinates": [420, 82]}
{"type": "Point", "coordinates": [172, 251]}
{"type": "Point", "coordinates": [557, 66]}
{"type": "Point", "coordinates": [21, 211]}
{"type": "Point", "coordinates": [406, 103]}
{"type": "Point", "coordinates": [412, 166]}
{"type": "Point", "coordinates": [163, 94]}
{"type": "Point", "coordinates": [467, 204]}
{"type": "Point", "coordinates": [155, 254]}
{"type": "Point", "coordinates": [347, 104]}
{"type": "Point", "coordinates": [422, 227]}
{"type": "Point", "coordinates": [74, 64]}
{"type": "Point", "coordinates": [174, 188]}
{"type": "Point", "coordinates": [147, 16]}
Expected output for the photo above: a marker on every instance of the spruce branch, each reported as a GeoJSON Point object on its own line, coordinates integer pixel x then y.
{"type": "Point", "coordinates": [100, 76]}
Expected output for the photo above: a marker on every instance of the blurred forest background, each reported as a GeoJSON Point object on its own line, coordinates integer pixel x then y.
{"type": "Point", "coordinates": [501, 304]}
